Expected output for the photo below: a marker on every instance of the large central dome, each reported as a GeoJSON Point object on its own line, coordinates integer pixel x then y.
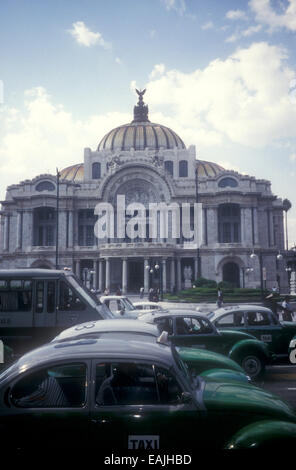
{"type": "Point", "coordinates": [141, 133]}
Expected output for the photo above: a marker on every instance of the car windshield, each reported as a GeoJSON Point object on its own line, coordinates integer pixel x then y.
{"type": "Point", "coordinates": [210, 315]}
{"type": "Point", "coordinates": [83, 291]}
{"type": "Point", "coordinates": [127, 304]}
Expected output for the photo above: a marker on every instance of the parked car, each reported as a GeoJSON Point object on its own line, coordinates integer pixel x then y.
{"type": "Point", "coordinates": [259, 321]}
{"type": "Point", "coordinates": [146, 307]}
{"type": "Point", "coordinates": [119, 396]}
{"type": "Point", "coordinates": [193, 330]}
{"type": "Point", "coordinates": [120, 306]}
{"type": "Point", "coordinates": [199, 361]}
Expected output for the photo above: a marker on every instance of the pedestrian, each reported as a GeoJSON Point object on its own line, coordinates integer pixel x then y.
{"type": "Point", "coordinates": [151, 294]}
{"type": "Point", "coordinates": [219, 297]}
{"type": "Point", "coordinates": [141, 292]}
{"type": "Point", "coordinates": [270, 302]}
{"type": "Point", "coordinates": [106, 291]}
{"type": "Point", "coordinates": [287, 310]}
{"type": "Point", "coordinates": [118, 292]}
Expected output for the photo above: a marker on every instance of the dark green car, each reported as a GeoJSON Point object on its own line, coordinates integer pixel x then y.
{"type": "Point", "coordinates": [196, 331]}
{"type": "Point", "coordinates": [118, 397]}
{"type": "Point", "coordinates": [199, 361]}
{"type": "Point", "coordinates": [258, 321]}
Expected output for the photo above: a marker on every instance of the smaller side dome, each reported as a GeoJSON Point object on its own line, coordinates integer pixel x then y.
{"type": "Point", "coordinates": [74, 173]}
{"type": "Point", "coordinates": [208, 169]}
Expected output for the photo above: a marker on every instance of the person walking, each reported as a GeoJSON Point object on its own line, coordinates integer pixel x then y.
{"type": "Point", "coordinates": [141, 292]}
{"type": "Point", "coordinates": [287, 310]}
{"type": "Point", "coordinates": [219, 297]}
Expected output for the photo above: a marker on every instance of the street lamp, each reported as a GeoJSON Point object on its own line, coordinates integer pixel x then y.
{"type": "Point", "coordinates": [253, 256]}
{"type": "Point", "coordinates": [246, 270]}
{"type": "Point", "coordinates": [152, 270]}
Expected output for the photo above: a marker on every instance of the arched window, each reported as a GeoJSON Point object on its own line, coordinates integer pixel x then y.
{"type": "Point", "coordinates": [231, 274]}
{"type": "Point", "coordinates": [169, 167]}
{"type": "Point", "coordinates": [227, 182]}
{"type": "Point", "coordinates": [229, 223]}
{"type": "Point", "coordinates": [45, 186]}
{"type": "Point", "coordinates": [96, 171]}
{"type": "Point", "coordinates": [183, 168]}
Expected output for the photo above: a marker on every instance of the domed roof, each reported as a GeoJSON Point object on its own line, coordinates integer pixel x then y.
{"type": "Point", "coordinates": [140, 133]}
{"type": "Point", "coordinates": [208, 169]}
{"type": "Point", "coordinates": [73, 173]}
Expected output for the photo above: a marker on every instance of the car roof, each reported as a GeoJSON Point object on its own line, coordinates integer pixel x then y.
{"type": "Point", "coordinates": [111, 297]}
{"type": "Point", "coordinates": [243, 307]}
{"type": "Point", "coordinates": [175, 313]}
{"type": "Point", "coordinates": [103, 326]}
{"type": "Point", "coordinates": [111, 349]}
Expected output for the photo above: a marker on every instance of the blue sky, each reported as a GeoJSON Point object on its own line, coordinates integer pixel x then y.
{"type": "Point", "coordinates": [222, 74]}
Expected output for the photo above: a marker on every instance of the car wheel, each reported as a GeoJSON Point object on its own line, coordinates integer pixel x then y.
{"type": "Point", "coordinates": [253, 366]}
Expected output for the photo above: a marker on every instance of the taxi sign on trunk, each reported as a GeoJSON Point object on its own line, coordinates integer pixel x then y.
{"type": "Point", "coordinates": [141, 442]}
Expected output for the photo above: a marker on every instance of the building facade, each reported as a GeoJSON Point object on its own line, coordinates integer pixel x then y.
{"type": "Point", "coordinates": [146, 163]}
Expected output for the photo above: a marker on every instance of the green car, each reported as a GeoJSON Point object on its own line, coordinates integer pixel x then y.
{"type": "Point", "coordinates": [199, 361]}
{"type": "Point", "coordinates": [120, 397]}
{"type": "Point", "coordinates": [196, 331]}
{"type": "Point", "coordinates": [259, 321]}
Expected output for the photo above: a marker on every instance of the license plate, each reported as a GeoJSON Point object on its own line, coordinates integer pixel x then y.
{"type": "Point", "coordinates": [139, 442]}
{"type": "Point", "coordinates": [266, 338]}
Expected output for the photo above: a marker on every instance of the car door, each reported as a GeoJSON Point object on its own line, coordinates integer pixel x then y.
{"type": "Point", "coordinates": [136, 406]}
{"type": "Point", "coordinates": [266, 328]}
{"type": "Point", "coordinates": [47, 407]}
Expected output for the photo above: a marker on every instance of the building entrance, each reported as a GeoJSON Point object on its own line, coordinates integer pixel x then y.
{"type": "Point", "coordinates": [231, 274]}
{"type": "Point", "coordinates": [135, 276]}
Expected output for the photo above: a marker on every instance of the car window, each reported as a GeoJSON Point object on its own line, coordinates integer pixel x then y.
{"type": "Point", "coordinates": [59, 386]}
{"type": "Point", "coordinates": [164, 324]}
{"type": "Point", "coordinates": [16, 296]}
{"type": "Point", "coordinates": [68, 300]}
{"type": "Point", "coordinates": [258, 319]}
{"type": "Point", "coordinates": [231, 319]}
{"type": "Point", "coordinates": [194, 326]}
{"type": "Point", "coordinates": [134, 384]}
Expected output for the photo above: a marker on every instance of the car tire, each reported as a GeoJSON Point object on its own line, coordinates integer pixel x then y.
{"type": "Point", "coordinates": [253, 366]}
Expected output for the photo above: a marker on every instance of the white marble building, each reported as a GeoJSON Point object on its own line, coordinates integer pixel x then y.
{"type": "Point", "coordinates": [146, 163]}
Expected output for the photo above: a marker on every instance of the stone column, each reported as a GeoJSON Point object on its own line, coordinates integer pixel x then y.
{"type": "Point", "coordinates": [19, 231]}
{"type": "Point", "coordinates": [173, 276]}
{"type": "Point", "coordinates": [146, 276]}
{"type": "Point", "coordinates": [195, 268]}
{"type": "Point", "coordinates": [164, 276]}
{"type": "Point", "coordinates": [95, 276]}
{"type": "Point", "coordinates": [124, 276]}
{"type": "Point", "coordinates": [28, 232]}
{"type": "Point", "coordinates": [212, 225]}
{"type": "Point", "coordinates": [101, 287]}
{"type": "Point", "coordinates": [78, 268]}
{"type": "Point", "coordinates": [107, 273]}
{"type": "Point", "coordinates": [70, 229]}
{"type": "Point", "coordinates": [179, 278]}
{"type": "Point", "coordinates": [6, 233]}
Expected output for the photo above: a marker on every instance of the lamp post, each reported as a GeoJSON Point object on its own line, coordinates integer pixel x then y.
{"type": "Point", "coordinates": [57, 221]}
{"type": "Point", "coordinates": [253, 256]}
{"type": "Point", "coordinates": [246, 270]}
{"type": "Point", "coordinates": [152, 270]}
{"type": "Point", "coordinates": [196, 200]}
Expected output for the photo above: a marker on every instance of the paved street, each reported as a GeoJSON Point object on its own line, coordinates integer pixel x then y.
{"type": "Point", "coordinates": [281, 380]}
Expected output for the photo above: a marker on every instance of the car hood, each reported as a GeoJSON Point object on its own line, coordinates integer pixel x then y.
{"type": "Point", "coordinates": [236, 397]}
{"type": "Point", "coordinates": [289, 325]}
{"type": "Point", "coordinates": [202, 359]}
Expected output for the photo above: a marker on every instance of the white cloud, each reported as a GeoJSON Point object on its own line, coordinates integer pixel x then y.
{"type": "Point", "coordinates": [236, 15]}
{"type": "Point", "coordinates": [86, 37]}
{"type": "Point", "coordinates": [243, 99]}
{"type": "Point", "coordinates": [118, 60]}
{"type": "Point", "coordinates": [293, 157]}
{"type": "Point", "coordinates": [244, 33]}
{"type": "Point", "coordinates": [152, 33]}
{"type": "Point", "coordinates": [208, 25]}
{"type": "Point", "coordinates": [265, 13]}
{"type": "Point", "coordinates": [178, 5]}
{"type": "Point", "coordinates": [158, 70]}
{"type": "Point", "coordinates": [44, 136]}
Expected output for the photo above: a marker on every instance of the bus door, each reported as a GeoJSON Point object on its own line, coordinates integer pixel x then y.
{"type": "Point", "coordinates": [45, 303]}
{"type": "Point", "coordinates": [71, 309]}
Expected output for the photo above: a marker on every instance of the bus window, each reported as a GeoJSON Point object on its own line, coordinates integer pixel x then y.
{"type": "Point", "coordinates": [50, 296]}
{"type": "Point", "coordinates": [68, 299]}
{"type": "Point", "coordinates": [39, 296]}
{"type": "Point", "coordinates": [16, 296]}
